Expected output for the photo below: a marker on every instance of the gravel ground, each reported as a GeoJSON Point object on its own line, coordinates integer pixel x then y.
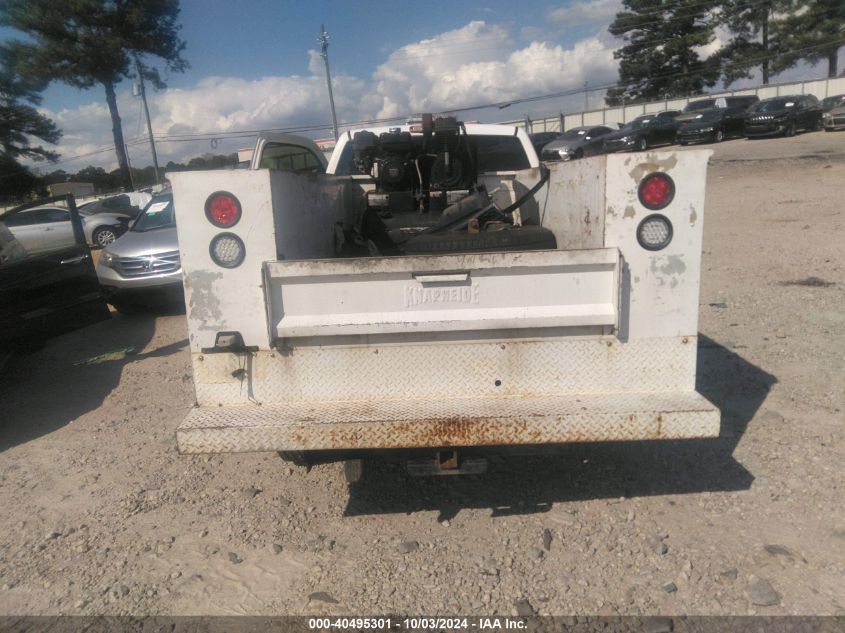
{"type": "Point", "coordinates": [102, 516]}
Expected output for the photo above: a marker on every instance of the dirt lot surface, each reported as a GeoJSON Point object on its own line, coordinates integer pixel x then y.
{"type": "Point", "coordinates": [101, 515]}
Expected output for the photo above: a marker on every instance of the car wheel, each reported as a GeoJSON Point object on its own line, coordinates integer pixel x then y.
{"type": "Point", "coordinates": [579, 153]}
{"type": "Point", "coordinates": [103, 236]}
{"type": "Point", "coordinates": [719, 136]}
{"type": "Point", "coordinates": [818, 126]}
{"type": "Point", "coordinates": [790, 129]}
{"type": "Point", "coordinates": [682, 142]}
{"type": "Point", "coordinates": [642, 144]}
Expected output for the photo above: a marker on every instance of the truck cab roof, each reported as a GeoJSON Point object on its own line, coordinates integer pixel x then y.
{"type": "Point", "coordinates": [472, 129]}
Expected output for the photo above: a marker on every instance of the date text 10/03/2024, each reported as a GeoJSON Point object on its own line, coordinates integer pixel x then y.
{"type": "Point", "coordinates": [412, 624]}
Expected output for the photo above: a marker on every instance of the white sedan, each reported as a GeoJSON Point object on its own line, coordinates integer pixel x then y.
{"type": "Point", "coordinates": [44, 229]}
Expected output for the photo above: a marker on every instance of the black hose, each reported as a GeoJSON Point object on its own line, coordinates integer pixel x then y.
{"type": "Point", "coordinates": [454, 222]}
{"type": "Point", "coordinates": [544, 178]}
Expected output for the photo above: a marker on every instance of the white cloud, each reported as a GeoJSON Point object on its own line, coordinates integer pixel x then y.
{"type": "Point", "coordinates": [585, 13]}
{"type": "Point", "coordinates": [475, 64]}
{"type": "Point", "coordinates": [482, 67]}
{"type": "Point", "coordinates": [721, 37]}
{"type": "Point", "coordinates": [416, 76]}
{"type": "Point", "coordinates": [315, 62]}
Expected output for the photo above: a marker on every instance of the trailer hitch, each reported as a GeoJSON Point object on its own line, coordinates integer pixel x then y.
{"type": "Point", "coordinates": [447, 462]}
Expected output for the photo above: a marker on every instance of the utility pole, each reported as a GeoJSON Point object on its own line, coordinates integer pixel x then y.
{"type": "Point", "coordinates": [586, 97]}
{"type": "Point", "coordinates": [129, 165]}
{"type": "Point", "coordinates": [147, 114]}
{"type": "Point", "coordinates": [324, 53]}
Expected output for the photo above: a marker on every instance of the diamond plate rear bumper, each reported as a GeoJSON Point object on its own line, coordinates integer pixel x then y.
{"type": "Point", "coordinates": [485, 421]}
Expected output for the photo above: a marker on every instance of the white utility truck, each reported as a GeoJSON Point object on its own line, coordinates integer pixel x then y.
{"type": "Point", "coordinates": [436, 292]}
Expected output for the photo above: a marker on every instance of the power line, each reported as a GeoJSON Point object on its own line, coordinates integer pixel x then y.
{"type": "Point", "coordinates": [317, 127]}
{"type": "Point", "coordinates": [574, 91]}
{"type": "Point", "coordinates": [236, 134]}
{"type": "Point", "coordinates": [472, 45]}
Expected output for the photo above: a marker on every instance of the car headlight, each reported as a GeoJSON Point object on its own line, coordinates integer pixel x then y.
{"type": "Point", "coordinates": [706, 129]}
{"type": "Point", "coordinates": [107, 259]}
{"type": "Point", "coordinates": [563, 152]}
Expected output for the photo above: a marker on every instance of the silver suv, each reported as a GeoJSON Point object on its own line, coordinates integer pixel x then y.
{"type": "Point", "coordinates": [143, 265]}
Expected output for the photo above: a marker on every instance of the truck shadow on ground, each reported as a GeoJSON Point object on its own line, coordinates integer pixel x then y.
{"type": "Point", "coordinates": [72, 375]}
{"type": "Point", "coordinates": [519, 484]}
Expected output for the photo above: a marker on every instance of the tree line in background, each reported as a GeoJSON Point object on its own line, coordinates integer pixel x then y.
{"type": "Point", "coordinates": [109, 181]}
{"type": "Point", "coordinates": [664, 39]}
{"type": "Point", "coordinates": [84, 43]}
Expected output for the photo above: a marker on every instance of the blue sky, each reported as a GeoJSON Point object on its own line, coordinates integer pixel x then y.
{"type": "Point", "coordinates": [257, 38]}
{"type": "Point", "coordinates": [254, 65]}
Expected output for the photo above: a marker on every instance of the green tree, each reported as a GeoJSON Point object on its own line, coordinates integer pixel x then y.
{"type": "Point", "coordinates": [84, 43]}
{"type": "Point", "coordinates": [20, 123]}
{"type": "Point", "coordinates": [16, 181]}
{"type": "Point", "coordinates": [97, 176]}
{"type": "Point", "coordinates": [815, 31]}
{"type": "Point", "coordinates": [144, 177]}
{"type": "Point", "coordinates": [58, 175]}
{"type": "Point", "coordinates": [659, 58]}
{"type": "Point", "coordinates": [212, 161]}
{"type": "Point", "coordinates": [755, 38]}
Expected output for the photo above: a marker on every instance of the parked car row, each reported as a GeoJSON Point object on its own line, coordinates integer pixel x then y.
{"type": "Point", "coordinates": [783, 116]}
{"type": "Point", "coordinates": [47, 279]}
{"type": "Point", "coordinates": [129, 204]}
{"type": "Point", "coordinates": [44, 228]}
{"type": "Point", "coordinates": [143, 266]}
{"type": "Point", "coordinates": [834, 113]}
{"type": "Point", "coordinates": [702, 121]}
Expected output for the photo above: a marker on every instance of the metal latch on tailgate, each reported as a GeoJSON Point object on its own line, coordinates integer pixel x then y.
{"type": "Point", "coordinates": [435, 278]}
{"type": "Point", "coordinates": [229, 343]}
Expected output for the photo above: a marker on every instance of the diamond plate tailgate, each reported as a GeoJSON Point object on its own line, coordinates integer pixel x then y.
{"type": "Point", "coordinates": [500, 421]}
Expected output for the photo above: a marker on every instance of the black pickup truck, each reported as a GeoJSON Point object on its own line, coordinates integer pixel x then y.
{"type": "Point", "coordinates": [47, 281]}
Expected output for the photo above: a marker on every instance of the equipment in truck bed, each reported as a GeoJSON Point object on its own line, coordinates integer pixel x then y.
{"type": "Point", "coordinates": [488, 305]}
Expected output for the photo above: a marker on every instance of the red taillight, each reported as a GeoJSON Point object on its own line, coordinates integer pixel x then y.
{"type": "Point", "coordinates": [223, 209]}
{"type": "Point", "coordinates": [656, 191]}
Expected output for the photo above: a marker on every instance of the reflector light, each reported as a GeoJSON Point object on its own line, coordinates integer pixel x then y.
{"type": "Point", "coordinates": [656, 191]}
{"type": "Point", "coordinates": [654, 232]}
{"type": "Point", "coordinates": [227, 250]}
{"type": "Point", "coordinates": [223, 209]}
